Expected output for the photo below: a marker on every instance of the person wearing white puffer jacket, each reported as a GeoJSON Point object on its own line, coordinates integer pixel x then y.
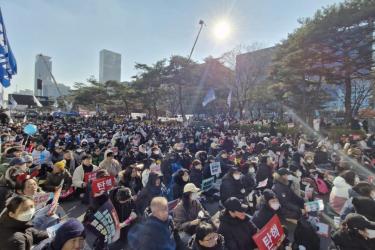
{"type": "Point", "coordinates": [340, 191]}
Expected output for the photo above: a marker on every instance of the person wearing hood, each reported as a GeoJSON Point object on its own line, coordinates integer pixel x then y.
{"type": "Point", "coordinates": [153, 188]}
{"type": "Point", "coordinates": [291, 204]}
{"type": "Point", "coordinates": [232, 185]}
{"type": "Point", "coordinates": [186, 213]}
{"type": "Point", "coordinates": [265, 171]}
{"type": "Point", "coordinates": [269, 207]}
{"type": "Point", "coordinates": [225, 163]}
{"type": "Point", "coordinates": [70, 236]}
{"type": "Point", "coordinates": [340, 190]}
{"type": "Point", "coordinates": [356, 233]}
{"type": "Point", "coordinates": [15, 225]}
{"type": "Point", "coordinates": [58, 174]}
{"type": "Point", "coordinates": [181, 178]}
{"type": "Point", "coordinates": [110, 163]}
{"type": "Point", "coordinates": [131, 178]}
{"type": "Point", "coordinates": [361, 189]}
{"type": "Point", "coordinates": [206, 238]}
{"type": "Point", "coordinates": [236, 226]}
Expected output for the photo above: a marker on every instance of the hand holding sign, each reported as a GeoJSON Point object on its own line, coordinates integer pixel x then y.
{"type": "Point", "coordinates": [215, 168]}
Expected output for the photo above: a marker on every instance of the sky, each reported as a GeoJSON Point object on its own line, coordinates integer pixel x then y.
{"type": "Point", "coordinates": [73, 32]}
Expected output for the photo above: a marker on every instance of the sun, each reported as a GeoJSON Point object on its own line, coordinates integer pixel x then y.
{"type": "Point", "coordinates": [222, 30]}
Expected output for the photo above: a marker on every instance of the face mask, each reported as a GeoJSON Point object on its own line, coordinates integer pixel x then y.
{"type": "Point", "coordinates": [251, 170]}
{"type": "Point", "coordinates": [237, 176]}
{"type": "Point", "coordinates": [224, 156]}
{"type": "Point", "coordinates": [275, 206]}
{"type": "Point", "coordinates": [299, 174]}
{"type": "Point", "coordinates": [185, 178]}
{"type": "Point", "coordinates": [309, 161]}
{"type": "Point", "coordinates": [356, 180]}
{"type": "Point", "coordinates": [26, 216]}
{"type": "Point", "coordinates": [371, 233]}
{"type": "Point", "coordinates": [194, 196]}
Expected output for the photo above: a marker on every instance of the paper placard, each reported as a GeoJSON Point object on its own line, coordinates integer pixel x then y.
{"type": "Point", "coordinates": [41, 199]}
{"type": "Point", "coordinates": [215, 168]}
{"type": "Point", "coordinates": [314, 206]}
{"type": "Point", "coordinates": [103, 184]}
{"type": "Point", "coordinates": [89, 177]}
{"type": "Point", "coordinates": [270, 236]}
{"type": "Point", "coordinates": [51, 231]}
{"type": "Point", "coordinates": [207, 184]}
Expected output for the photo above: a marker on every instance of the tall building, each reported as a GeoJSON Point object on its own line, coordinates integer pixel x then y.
{"type": "Point", "coordinates": [42, 77]}
{"type": "Point", "coordinates": [109, 66]}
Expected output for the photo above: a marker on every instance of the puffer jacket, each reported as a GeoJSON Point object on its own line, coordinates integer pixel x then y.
{"type": "Point", "coordinates": [339, 194]}
{"type": "Point", "coordinates": [54, 180]}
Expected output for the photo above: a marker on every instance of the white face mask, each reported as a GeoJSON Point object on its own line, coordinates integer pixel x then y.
{"type": "Point", "coordinates": [370, 233]}
{"type": "Point", "coordinates": [237, 176]}
{"type": "Point", "coordinates": [275, 206]}
{"type": "Point", "coordinates": [251, 170]}
{"type": "Point", "coordinates": [26, 216]}
{"type": "Point", "coordinates": [299, 174]}
{"type": "Point", "coordinates": [194, 196]}
{"type": "Point", "coordinates": [309, 161]}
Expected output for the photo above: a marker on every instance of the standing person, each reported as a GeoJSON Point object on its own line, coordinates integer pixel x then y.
{"type": "Point", "coordinates": [15, 225]}
{"type": "Point", "coordinates": [154, 233]}
{"type": "Point", "coordinates": [236, 226]}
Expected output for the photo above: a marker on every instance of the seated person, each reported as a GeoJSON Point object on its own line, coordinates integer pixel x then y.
{"type": "Point", "coordinates": [270, 206]}
{"type": "Point", "coordinates": [206, 237]}
{"type": "Point", "coordinates": [58, 174]}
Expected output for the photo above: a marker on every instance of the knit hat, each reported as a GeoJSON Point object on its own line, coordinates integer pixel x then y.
{"type": "Point", "coordinates": [60, 165]}
{"type": "Point", "coordinates": [69, 230]}
{"type": "Point", "coordinates": [268, 194]}
{"type": "Point", "coordinates": [357, 221]}
{"type": "Point", "coordinates": [123, 194]}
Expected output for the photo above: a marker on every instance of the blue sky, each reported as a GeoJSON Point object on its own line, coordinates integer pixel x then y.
{"type": "Point", "coordinates": [73, 32]}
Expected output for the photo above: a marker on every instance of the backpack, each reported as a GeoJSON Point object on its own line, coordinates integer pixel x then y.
{"type": "Point", "coordinates": [321, 185]}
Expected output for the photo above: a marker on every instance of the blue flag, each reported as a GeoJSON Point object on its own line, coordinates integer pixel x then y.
{"type": "Point", "coordinates": [209, 97]}
{"type": "Point", "coordinates": [8, 64]}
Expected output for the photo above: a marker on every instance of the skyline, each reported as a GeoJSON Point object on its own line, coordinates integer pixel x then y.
{"type": "Point", "coordinates": [73, 32]}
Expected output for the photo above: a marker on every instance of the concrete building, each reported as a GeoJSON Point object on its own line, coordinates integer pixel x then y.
{"type": "Point", "coordinates": [42, 77]}
{"type": "Point", "coordinates": [109, 66]}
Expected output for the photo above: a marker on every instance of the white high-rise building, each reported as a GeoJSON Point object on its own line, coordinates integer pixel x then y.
{"type": "Point", "coordinates": [109, 66]}
{"type": "Point", "coordinates": [42, 77]}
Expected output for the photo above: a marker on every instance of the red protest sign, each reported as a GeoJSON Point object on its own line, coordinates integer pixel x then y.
{"type": "Point", "coordinates": [270, 236]}
{"type": "Point", "coordinates": [103, 184]}
{"type": "Point", "coordinates": [89, 177]}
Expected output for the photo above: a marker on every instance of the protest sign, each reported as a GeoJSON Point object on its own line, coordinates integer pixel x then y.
{"type": "Point", "coordinates": [66, 193]}
{"type": "Point", "coordinates": [270, 236]}
{"type": "Point", "coordinates": [215, 168]}
{"type": "Point", "coordinates": [89, 177]}
{"type": "Point", "coordinates": [263, 183]}
{"type": "Point", "coordinates": [56, 198]}
{"type": "Point", "coordinates": [172, 204]}
{"type": "Point", "coordinates": [105, 223]}
{"type": "Point", "coordinates": [41, 199]}
{"type": "Point", "coordinates": [51, 231]}
{"type": "Point", "coordinates": [103, 184]}
{"type": "Point", "coordinates": [314, 206]}
{"type": "Point", "coordinates": [207, 184]}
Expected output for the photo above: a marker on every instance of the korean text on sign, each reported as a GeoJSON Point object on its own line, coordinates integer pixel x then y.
{"type": "Point", "coordinates": [270, 236]}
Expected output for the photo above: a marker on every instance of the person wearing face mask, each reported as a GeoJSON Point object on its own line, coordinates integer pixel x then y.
{"type": "Point", "coordinates": [236, 226]}
{"type": "Point", "coordinates": [270, 206]}
{"type": "Point", "coordinates": [321, 158]}
{"type": "Point", "coordinates": [186, 213]}
{"type": "Point", "coordinates": [196, 174]}
{"type": "Point", "coordinates": [232, 185]}
{"type": "Point", "coordinates": [356, 233]}
{"type": "Point", "coordinates": [181, 178]}
{"type": "Point", "coordinates": [79, 173]}
{"type": "Point", "coordinates": [295, 179]}
{"type": "Point", "coordinates": [291, 204]}
{"type": "Point", "coordinates": [248, 179]}
{"type": "Point", "coordinates": [265, 171]}
{"type": "Point", "coordinates": [225, 163]}
{"type": "Point", "coordinates": [15, 225]}
{"type": "Point", "coordinates": [206, 238]}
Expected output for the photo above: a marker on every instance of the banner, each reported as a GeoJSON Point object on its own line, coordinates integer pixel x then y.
{"type": "Point", "coordinates": [41, 199]}
{"type": "Point", "coordinates": [89, 177]}
{"type": "Point", "coordinates": [215, 168]}
{"type": "Point", "coordinates": [270, 236]}
{"type": "Point", "coordinates": [105, 223]}
{"type": "Point", "coordinates": [103, 184]}
{"type": "Point", "coordinates": [207, 184]}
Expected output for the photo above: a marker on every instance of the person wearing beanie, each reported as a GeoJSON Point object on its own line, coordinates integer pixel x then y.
{"type": "Point", "coordinates": [58, 174]}
{"type": "Point", "coordinates": [232, 185]}
{"type": "Point", "coordinates": [270, 206]}
{"type": "Point", "coordinates": [70, 236]}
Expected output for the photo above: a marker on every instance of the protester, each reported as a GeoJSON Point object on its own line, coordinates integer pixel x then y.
{"type": "Point", "coordinates": [232, 185]}
{"type": "Point", "coordinates": [269, 207]}
{"type": "Point", "coordinates": [58, 176]}
{"type": "Point", "coordinates": [79, 173]}
{"type": "Point", "coordinates": [153, 189]}
{"type": "Point", "coordinates": [206, 237]}
{"type": "Point", "coordinates": [180, 179]}
{"type": "Point", "coordinates": [15, 227]}
{"type": "Point", "coordinates": [340, 191]}
{"type": "Point", "coordinates": [110, 164]}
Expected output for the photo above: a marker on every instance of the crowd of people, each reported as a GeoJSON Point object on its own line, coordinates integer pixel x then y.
{"type": "Point", "coordinates": [161, 196]}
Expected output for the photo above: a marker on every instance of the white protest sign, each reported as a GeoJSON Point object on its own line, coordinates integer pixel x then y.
{"type": "Point", "coordinates": [215, 168]}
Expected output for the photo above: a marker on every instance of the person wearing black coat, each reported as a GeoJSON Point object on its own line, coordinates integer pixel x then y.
{"type": "Point", "coordinates": [291, 204]}
{"type": "Point", "coordinates": [232, 185]}
{"type": "Point", "coordinates": [269, 207]}
{"type": "Point", "coordinates": [265, 171]}
{"type": "Point", "coordinates": [151, 190]}
{"type": "Point", "coordinates": [196, 175]}
{"type": "Point", "coordinates": [181, 178]}
{"type": "Point", "coordinates": [236, 226]}
{"type": "Point", "coordinates": [16, 228]}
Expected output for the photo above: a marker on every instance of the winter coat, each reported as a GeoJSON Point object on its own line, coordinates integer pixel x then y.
{"type": "Point", "coordinates": [18, 235]}
{"type": "Point", "coordinates": [351, 241]}
{"type": "Point", "coordinates": [295, 184]}
{"type": "Point", "coordinates": [178, 186]}
{"type": "Point", "coordinates": [264, 214]}
{"type": "Point", "coordinates": [348, 206]}
{"type": "Point", "coordinates": [231, 188]}
{"type": "Point", "coordinates": [79, 175]}
{"type": "Point", "coordinates": [7, 186]}
{"type": "Point", "coordinates": [365, 206]}
{"type": "Point", "coordinates": [194, 245]}
{"type": "Point", "coordinates": [321, 157]}
{"type": "Point", "coordinates": [196, 177]}
{"type": "Point", "coordinates": [339, 194]}
{"type": "Point", "coordinates": [111, 165]}
{"type": "Point", "coordinates": [151, 234]}
{"type": "Point", "coordinates": [237, 233]}
{"type": "Point", "coordinates": [291, 204]}
{"type": "Point", "coordinates": [148, 193]}
{"type": "Point", "coordinates": [54, 180]}
{"type": "Point", "coordinates": [264, 172]}
{"type": "Point", "coordinates": [182, 217]}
